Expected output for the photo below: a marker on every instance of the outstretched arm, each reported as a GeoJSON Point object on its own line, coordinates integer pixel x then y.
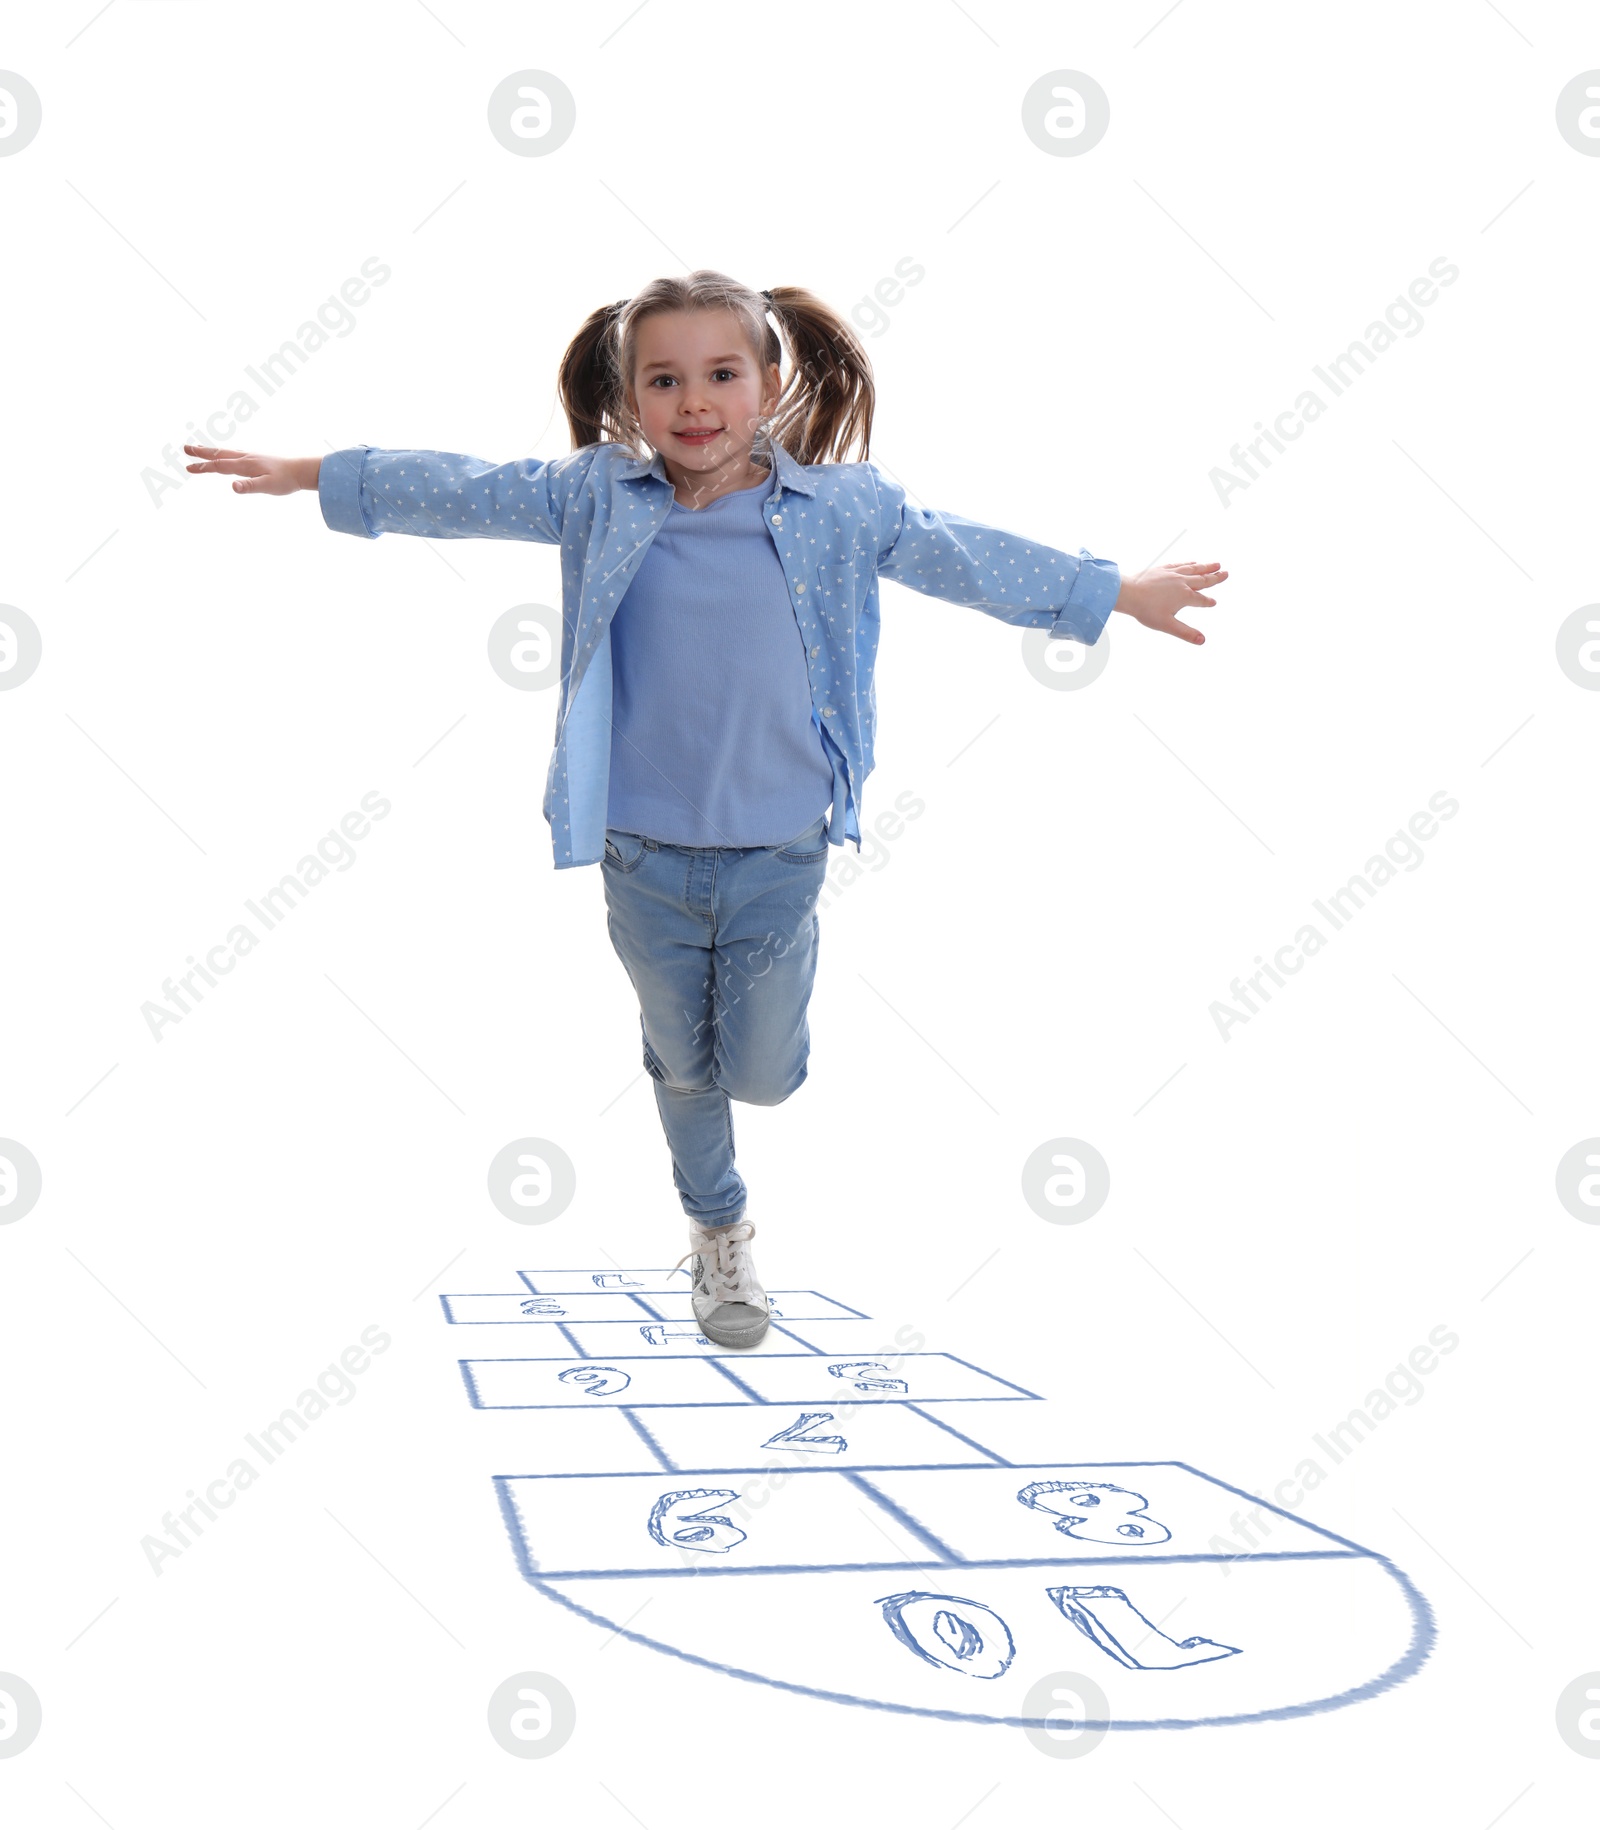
{"type": "Point", "coordinates": [1023, 581]}
{"type": "Point", "coordinates": [438, 495]}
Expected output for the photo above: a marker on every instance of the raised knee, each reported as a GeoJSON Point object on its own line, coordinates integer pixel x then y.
{"type": "Point", "coordinates": [759, 1095]}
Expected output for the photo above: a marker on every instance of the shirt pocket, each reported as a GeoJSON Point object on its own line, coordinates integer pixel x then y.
{"type": "Point", "coordinates": [838, 599]}
{"type": "Point", "coordinates": [837, 581]}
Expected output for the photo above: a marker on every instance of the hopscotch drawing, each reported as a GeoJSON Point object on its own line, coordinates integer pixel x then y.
{"type": "Point", "coordinates": [821, 1514]}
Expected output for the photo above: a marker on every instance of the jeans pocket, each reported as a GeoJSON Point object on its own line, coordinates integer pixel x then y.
{"type": "Point", "coordinates": [809, 846]}
{"type": "Point", "coordinates": [624, 850]}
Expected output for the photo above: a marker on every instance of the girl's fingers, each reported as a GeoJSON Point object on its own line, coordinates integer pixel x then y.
{"type": "Point", "coordinates": [213, 451]}
{"type": "Point", "coordinates": [228, 467]}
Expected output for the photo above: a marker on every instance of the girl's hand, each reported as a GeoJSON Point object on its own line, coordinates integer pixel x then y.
{"type": "Point", "coordinates": [256, 476]}
{"type": "Point", "coordinates": [1155, 596]}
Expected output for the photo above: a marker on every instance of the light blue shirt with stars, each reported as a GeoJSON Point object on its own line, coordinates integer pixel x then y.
{"type": "Point", "coordinates": [837, 529]}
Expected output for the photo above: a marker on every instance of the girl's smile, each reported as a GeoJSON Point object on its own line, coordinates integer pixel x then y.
{"type": "Point", "coordinates": [699, 396]}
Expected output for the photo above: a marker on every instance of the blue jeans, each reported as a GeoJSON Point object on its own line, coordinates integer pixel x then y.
{"type": "Point", "coordinates": [721, 945]}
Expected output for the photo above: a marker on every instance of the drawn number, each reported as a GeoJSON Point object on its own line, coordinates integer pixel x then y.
{"type": "Point", "coordinates": [867, 1376]}
{"type": "Point", "coordinates": [1106, 1616]}
{"type": "Point", "coordinates": [797, 1435]}
{"type": "Point", "coordinates": [1098, 1512]}
{"type": "Point", "coordinates": [615, 1280]}
{"type": "Point", "coordinates": [658, 1334]}
{"type": "Point", "coordinates": [686, 1520]}
{"type": "Point", "coordinates": [542, 1305]}
{"type": "Point", "coordinates": [950, 1631]}
{"type": "Point", "coordinates": [595, 1381]}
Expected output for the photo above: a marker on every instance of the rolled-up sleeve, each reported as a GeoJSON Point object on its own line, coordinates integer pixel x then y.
{"type": "Point", "coordinates": [446, 495]}
{"type": "Point", "coordinates": [1005, 575]}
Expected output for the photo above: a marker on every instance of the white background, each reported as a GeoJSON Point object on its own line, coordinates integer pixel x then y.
{"type": "Point", "coordinates": [1372, 1156]}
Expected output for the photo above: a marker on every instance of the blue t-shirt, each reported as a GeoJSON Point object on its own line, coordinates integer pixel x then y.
{"type": "Point", "coordinates": [713, 737]}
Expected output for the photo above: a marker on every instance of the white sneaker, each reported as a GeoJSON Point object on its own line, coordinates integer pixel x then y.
{"type": "Point", "coordinates": [729, 1303]}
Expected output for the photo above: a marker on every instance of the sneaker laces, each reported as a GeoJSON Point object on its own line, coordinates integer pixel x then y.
{"type": "Point", "coordinates": [726, 1272]}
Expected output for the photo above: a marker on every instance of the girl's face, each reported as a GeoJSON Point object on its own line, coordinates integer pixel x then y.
{"type": "Point", "coordinates": [698, 393]}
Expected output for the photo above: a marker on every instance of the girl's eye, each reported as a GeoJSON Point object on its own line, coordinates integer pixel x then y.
{"type": "Point", "coordinates": [729, 372]}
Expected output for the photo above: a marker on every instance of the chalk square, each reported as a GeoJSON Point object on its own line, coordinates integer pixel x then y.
{"type": "Point", "coordinates": [592, 1384]}
{"type": "Point", "coordinates": [659, 1340]}
{"type": "Point", "coordinates": [783, 1306]}
{"type": "Point", "coordinates": [636, 1283]}
{"type": "Point", "coordinates": [557, 1441]}
{"type": "Point", "coordinates": [601, 1525]}
{"type": "Point", "coordinates": [1132, 1511]}
{"type": "Point", "coordinates": [707, 1438]}
{"type": "Point", "coordinates": [810, 1379]}
{"type": "Point", "coordinates": [525, 1306]}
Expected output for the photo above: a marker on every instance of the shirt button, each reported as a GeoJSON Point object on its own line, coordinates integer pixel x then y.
{"type": "Point", "coordinates": [799, 587]}
{"type": "Point", "coordinates": [816, 651]}
{"type": "Point", "coordinates": [777, 520]}
{"type": "Point", "coordinates": [827, 711]}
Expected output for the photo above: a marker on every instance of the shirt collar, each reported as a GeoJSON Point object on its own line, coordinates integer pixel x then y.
{"type": "Point", "coordinates": [790, 475]}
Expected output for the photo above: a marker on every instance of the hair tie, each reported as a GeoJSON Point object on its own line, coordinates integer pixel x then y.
{"type": "Point", "coordinates": [766, 295]}
{"type": "Point", "coordinates": [621, 304]}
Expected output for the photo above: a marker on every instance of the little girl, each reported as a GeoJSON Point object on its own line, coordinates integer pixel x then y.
{"type": "Point", "coordinates": [717, 707]}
